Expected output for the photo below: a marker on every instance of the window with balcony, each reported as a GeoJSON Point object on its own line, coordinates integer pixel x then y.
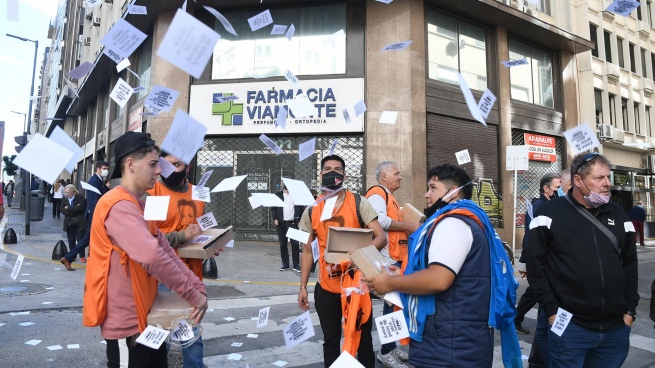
{"type": "Point", "coordinates": [624, 113]}
{"type": "Point", "coordinates": [598, 102]}
{"type": "Point", "coordinates": [456, 46]}
{"type": "Point", "coordinates": [633, 59]}
{"type": "Point", "coordinates": [533, 84]}
{"type": "Point", "coordinates": [593, 35]}
{"type": "Point", "coordinates": [612, 105]}
{"type": "Point", "coordinates": [637, 119]}
{"type": "Point", "coordinates": [620, 51]}
{"type": "Point", "coordinates": [608, 46]}
{"type": "Point", "coordinates": [643, 63]}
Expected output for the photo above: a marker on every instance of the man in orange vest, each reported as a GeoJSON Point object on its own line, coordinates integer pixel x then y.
{"type": "Point", "coordinates": [390, 218]}
{"type": "Point", "coordinates": [179, 228]}
{"type": "Point", "coordinates": [129, 257]}
{"type": "Point", "coordinates": [327, 292]}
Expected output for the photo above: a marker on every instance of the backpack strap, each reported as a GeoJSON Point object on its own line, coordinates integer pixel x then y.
{"type": "Point", "coordinates": [358, 200]}
{"type": "Point", "coordinates": [386, 195]}
{"type": "Point", "coordinates": [597, 223]}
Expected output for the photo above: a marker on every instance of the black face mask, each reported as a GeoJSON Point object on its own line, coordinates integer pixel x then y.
{"type": "Point", "coordinates": [332, 180]}
{"type": "Point", "coordinates": [436, 206]}
{"type": "Point", "coordinates": [175, 179]}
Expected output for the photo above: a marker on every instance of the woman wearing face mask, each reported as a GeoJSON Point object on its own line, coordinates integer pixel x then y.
{"type": "Point", "coordinates": [73, 207]}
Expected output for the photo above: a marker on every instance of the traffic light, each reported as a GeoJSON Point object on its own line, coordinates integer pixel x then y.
{"type": "Point", "coordinates": [21, 140]}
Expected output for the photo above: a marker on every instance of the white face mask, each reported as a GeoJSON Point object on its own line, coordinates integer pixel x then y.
{"type": "Point", "coordinates": [104, 173]}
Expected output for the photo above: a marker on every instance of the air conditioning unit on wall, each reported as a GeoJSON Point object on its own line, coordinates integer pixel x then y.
{"type": "Point", "coordinates": [605, 131]}
{"type": "Point", "coordinates": [96, 22]}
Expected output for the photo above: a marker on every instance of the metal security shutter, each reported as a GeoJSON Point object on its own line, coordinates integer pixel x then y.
{"type": "Point", "coordinates": [528, 181]}
{"type": "Point", "coordinates": [229, 156]}
{"type": "Point", "coordinates": [447, 135]}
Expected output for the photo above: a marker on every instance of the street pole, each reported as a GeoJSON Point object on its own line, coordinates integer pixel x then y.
{"type": "Point", "coordinates": [26, 132]}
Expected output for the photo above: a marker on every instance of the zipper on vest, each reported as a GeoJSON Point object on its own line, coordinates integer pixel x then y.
{"type": "Point", "coordinates": [602, 280]}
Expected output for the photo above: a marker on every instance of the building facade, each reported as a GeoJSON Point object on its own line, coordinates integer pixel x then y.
{"type": "Point", "coordinates": [617, 79]}
{"type": "Point", "coordinates": [336, 54]}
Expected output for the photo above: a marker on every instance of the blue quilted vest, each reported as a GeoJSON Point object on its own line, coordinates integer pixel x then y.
{"type": "Point", "coordinates": [458, 334]}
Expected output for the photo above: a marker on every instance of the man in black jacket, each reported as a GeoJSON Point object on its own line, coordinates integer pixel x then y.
{"type": "Point", "coordinates": [284, 218]}
{"type": "Point", "coordinates": [575, 268]}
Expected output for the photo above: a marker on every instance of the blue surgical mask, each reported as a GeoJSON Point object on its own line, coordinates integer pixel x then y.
{"type": "Point", "coordinates": [560, 192]}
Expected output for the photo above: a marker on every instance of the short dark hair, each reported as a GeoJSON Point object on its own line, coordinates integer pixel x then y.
{"type": "Point", "coordinates": [547, 179]}
{"type": "Point", "coordinates": [452, 175]}
{"type": "Point", "coordinates": [101, 163]}
{"type": "Point", "coordinates": [583, 163]}
{"type": "Point", "coordinates": [335, 158]}
{"type": "Point", "coordinates": [138, 154]}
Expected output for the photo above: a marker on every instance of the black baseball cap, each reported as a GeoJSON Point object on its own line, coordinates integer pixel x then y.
{"type": "Point", "coordinates": [128, 143]}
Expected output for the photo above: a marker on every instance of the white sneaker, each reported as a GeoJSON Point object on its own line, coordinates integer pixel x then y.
{"type": "Point", "coordinates": [400, 355]}
{"type": "Point", "coordinates": [389, 360]}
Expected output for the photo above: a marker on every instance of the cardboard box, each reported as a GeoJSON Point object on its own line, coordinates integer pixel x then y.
{"type": "Point", "coordinates": [369, 260]}
{"type": "Point", "coordinates": [206, 245]}
{"type": "Point", "coordinates": [168, 307]}
{"type": "Point", "coordinates": [411, 214]}
{"type": "Point", "coordinates": [341, 240]}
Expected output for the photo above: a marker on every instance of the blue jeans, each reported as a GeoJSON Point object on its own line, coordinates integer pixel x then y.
{"type": "Point", "coordinates": [193, 354]}
{"type": "Point", "coordinates": [580, 347]}
{"type": "Point", "coordinates": [541, 338]}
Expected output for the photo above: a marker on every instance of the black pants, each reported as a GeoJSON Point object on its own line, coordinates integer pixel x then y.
{"type": "Point", "coordinates": [282, 229]}
{"type": "Point", "coordinates": [75, 234]}
{"type": "Point", "coordinates": [135, 355]}
{"type": "Point", "coordinates": [56, 207]}
{"type": "Point", "coordinates": [82, 243]}
{"type": "Point", "coordinates": [526, 303]}
{"type": "Point", "coordinates": [328, 307]}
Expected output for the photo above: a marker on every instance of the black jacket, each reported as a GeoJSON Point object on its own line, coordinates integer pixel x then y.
{"type": "Point", "coordinates": [77, 211]}
{"type": "Point", "coordinates": [278, 212]}
{"type": "Point", "coordinates": [536, 204]}
{"type": "Point", "coordinates": [573, 265]}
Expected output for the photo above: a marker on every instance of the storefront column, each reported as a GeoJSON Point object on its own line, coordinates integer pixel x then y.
{"type": "Point", "coordinates": [395, 81]}
{"type": "Point", "coordinates": [166, 74]}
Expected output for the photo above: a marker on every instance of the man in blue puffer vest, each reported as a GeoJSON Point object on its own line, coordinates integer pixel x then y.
{"type": "Point", "coordinates": [449, 313]}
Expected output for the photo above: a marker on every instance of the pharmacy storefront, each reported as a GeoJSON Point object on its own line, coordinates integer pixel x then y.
{"type": "Point", "coordinates": [237, 114]}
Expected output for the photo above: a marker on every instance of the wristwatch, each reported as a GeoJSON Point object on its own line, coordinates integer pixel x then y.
{"type": "Point", "coordinates": [632, 314]}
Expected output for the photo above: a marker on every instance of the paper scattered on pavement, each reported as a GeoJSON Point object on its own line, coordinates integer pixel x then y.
{"type": "Point", "coordinates": [55, 347]}
{"type": "Point", "coordinates": [33, 342]}
{"type": "Point", "coordinates": [262, 320]}
{"type": "Point", "coordinates": [299, 330]}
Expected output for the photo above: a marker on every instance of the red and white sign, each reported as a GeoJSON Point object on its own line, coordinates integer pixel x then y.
{"type": "Point", "coordinates": [136, 119]}
{"type": "Point", "coordinates": [540, 147]}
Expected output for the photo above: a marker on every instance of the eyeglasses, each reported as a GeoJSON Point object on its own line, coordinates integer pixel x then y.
{"type": "Point", "coordinates": [586, 158]}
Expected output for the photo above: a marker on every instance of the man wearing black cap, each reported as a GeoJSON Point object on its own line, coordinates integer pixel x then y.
{"type": "Point", "coordinates": [129, 257]}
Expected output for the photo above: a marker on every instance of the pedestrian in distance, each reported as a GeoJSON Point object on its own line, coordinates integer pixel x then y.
{"type": "Point", "coordinates": [284, 218]}
{"type": "Point", "coordinates": [73, 207]}
{"type": "Point", "coordinates": [57, 196]}
{"type": "Point", "coordinates": [128, 259]}
{"type": "Point", "coordinates": [10, 192]}
{"type": "Point", "coordinates": [637, 215]}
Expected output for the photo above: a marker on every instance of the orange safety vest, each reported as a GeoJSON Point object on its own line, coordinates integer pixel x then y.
{"type": "Point", "coordinates": [144, 286]}
{"type": "Point", "coordinates": [345, 216]}
{"type": "Point", "coordinates": [182, 211]}
{"type": "Point", "coordinates": [356, 309]}
{"type": "Point", "coordinates": [397, 239]}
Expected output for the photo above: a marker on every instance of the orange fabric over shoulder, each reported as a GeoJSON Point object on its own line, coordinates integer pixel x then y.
{"type": "Point", "coordinates": [144, 285]}
{"type": "Point", "coordinates": [396, 239]}
{"type": "Point", "coordinates": [355, 308]}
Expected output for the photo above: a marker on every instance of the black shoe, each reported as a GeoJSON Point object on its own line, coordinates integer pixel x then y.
{"type": "Point", "coordinates": [522, 330]}
{"type": "Point", "coordinates": [642, 245]}
{"type": "Point", "coordinates": [284, 268]}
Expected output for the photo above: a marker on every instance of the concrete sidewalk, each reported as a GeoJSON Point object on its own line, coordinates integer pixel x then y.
{"type": "Point", "coordinates": [254, 265]}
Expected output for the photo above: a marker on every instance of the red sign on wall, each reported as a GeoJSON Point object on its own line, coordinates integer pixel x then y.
{"type": "Point", "coordinates": [540, 147]}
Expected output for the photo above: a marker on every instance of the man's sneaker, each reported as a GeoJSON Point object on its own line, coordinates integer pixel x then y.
{"type": "Point", "coordinates": [522, 330]}
{"type": "Point", "coordinates": [284, 268]}
{"type": "Point", "coordinates": [400, 355]}
{"type": "Point", "coordinates": [296, 269]}
{"type": "Point", "coordinates": [389, 360]}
